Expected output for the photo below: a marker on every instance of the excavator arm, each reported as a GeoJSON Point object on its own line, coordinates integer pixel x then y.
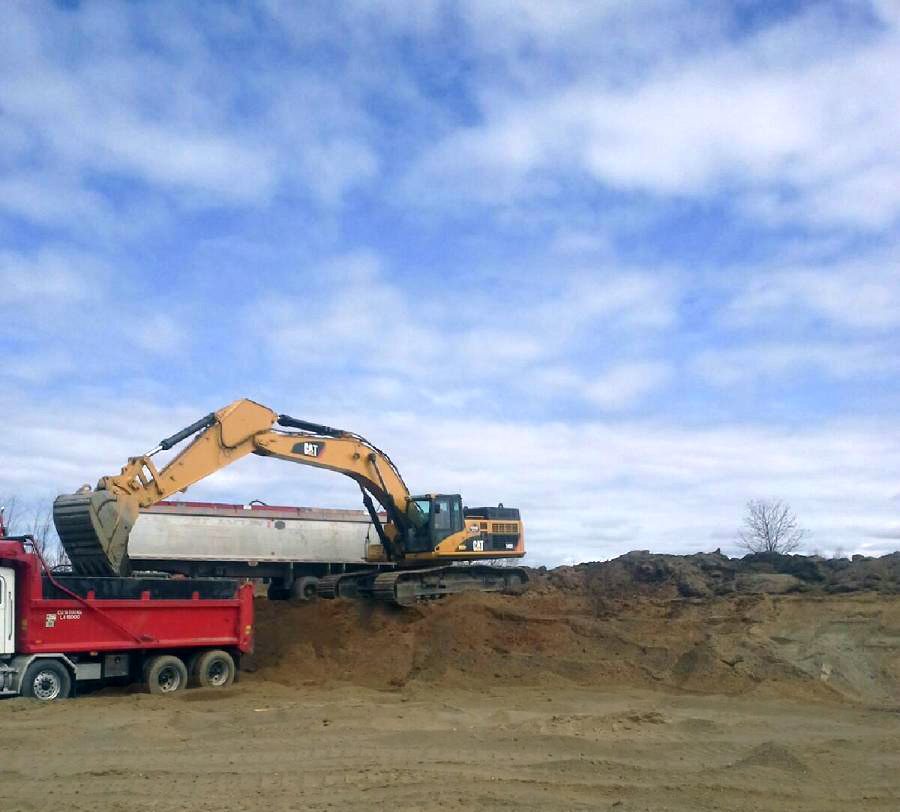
{"type": "Point", "coordinates": [94, 526]}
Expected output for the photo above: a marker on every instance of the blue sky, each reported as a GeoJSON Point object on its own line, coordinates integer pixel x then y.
{"type": "Point", "coordinates": [625, 265]}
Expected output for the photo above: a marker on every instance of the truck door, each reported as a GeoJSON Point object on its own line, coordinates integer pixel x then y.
{"type": "Point", "coordinates": [7, 610]}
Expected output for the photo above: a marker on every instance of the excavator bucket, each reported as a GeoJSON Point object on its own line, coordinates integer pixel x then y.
{"type": "Point", "coordinates": [94, 528]}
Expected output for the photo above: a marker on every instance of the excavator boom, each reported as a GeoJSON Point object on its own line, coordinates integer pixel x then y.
{"type": "Point", "coordinates": [94, 525]}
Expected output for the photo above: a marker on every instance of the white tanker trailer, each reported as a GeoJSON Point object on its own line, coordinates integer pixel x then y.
{"type": "Point", "coordinates": [290, 547]}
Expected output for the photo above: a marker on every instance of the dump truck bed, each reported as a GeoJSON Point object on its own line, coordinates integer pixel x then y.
{"type": "Point", "coordinates": [87, 614]}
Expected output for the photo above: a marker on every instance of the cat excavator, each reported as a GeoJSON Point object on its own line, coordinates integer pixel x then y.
{"type": "Point", "coordinates": [421, 539]}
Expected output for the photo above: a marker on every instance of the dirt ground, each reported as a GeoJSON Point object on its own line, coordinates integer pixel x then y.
{"type": "Point", "coordinates": [264, 746]}
{"type": "Point", "coordinates": [577, 695]}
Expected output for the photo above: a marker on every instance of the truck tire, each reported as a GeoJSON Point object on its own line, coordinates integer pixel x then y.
{"type": "Point", "coordinates": [46, 680]}
{"type": "Point", "coordinates": [165, 674]}
{"type": "Point", "coordinates": [215, 669]}
{"type": "Point", "coordinates": [305, 588]}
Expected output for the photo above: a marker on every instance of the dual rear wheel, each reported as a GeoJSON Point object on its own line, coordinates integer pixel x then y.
{"type": "Point", "coordinates": [166, 673]}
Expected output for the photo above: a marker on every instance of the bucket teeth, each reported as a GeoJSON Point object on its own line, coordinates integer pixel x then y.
{"type": "Point", "coordinates": [95, 546]}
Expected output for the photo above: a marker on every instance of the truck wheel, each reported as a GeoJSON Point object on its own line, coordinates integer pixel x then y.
{"type": "Point", "coordinates": [215, 669]}
{"type": "Point", "coordinates": [165, 674]}
{"type": "Point", "coordinates": [46, 680]}
{"type": "Point", "coordinates": [305, 588]}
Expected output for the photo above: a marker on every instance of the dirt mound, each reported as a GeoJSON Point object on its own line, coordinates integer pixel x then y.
{"type": "Point", "coordinates": [705, 575]}
{"type": "Point", "coordinates": [812, 646]}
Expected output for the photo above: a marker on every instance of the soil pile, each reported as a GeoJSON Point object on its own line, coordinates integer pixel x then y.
{"type": "Point", "coordinates": [699, 624]}
{"type": "Point", "coordinates": [705, 575]}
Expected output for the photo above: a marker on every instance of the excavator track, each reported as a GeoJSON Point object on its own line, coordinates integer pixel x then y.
{"type": "Point", "coordinates": [408, 587]}
{"type": "Point", "coordinates": [346, 584]}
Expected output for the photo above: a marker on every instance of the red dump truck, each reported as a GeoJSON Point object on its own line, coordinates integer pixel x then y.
{"type": "Point", "coordinates": [59, 631]}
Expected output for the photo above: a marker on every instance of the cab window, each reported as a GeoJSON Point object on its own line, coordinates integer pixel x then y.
{"type": "Point", "coordinates": [456, 523]}
{"type": "Point", "coordinates": [442, 517]}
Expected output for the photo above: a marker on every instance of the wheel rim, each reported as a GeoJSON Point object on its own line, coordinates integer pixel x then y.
{"type": "Point", "coordinates": [217, 673]}
{"type": "Point", "coordinates": [169, 679]}
{"type": "Point", "coordinates": [47, 685]}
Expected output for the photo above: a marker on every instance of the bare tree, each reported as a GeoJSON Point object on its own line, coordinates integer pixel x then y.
{"type": "Point", "coordinates": [45, 537]}
{"type": "Point", "coordinates": [35, 520]}
{"type": "Point", "coordinates": [770, 526]}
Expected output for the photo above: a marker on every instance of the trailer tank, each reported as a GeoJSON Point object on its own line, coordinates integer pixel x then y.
{"type": "Point", "coordinates": [291, 547]}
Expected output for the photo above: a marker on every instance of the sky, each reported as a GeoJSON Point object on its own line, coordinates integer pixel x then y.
{"type": "Point", "coordinates": [623, 265]}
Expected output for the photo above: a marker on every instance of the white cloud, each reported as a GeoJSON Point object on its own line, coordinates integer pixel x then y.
{"type": "Point", "coordinates": [862, 293]}
{"type": "Point", "coordinates": [774, 360]}
{"type": "Point", "coordinates": [625, 385]}
{"type": "Point", "coordinates": [622, 299]}
{"type": "Point", "coordinates": [73, 314]}
{"type": "Point", "coordinates": [47, 277]}
{"type": "Point", "coordinates": [431, 339]}
{"type": "Point", "coordinates": [158, 333]}
{"type": "Point", "coordinates": [140, 95]}
{"type": "Point", "coordinates": [781, 111]}
{"type": "Point", "coordinates": [48, 198]}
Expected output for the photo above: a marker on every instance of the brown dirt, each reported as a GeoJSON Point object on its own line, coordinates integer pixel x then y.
{"type": "Point", "coordinates": [604, 687]}
{"type": "Point", "coordinates": [817, 647]}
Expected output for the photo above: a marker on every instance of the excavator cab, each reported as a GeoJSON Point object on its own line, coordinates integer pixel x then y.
{"type": "Point", "coordinates": [432, 518]}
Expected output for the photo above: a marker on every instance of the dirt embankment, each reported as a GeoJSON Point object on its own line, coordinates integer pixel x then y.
{"type": "Point", "coordinates": [699, 624]}
{"type": "Point", "coordinates": [537, 702]}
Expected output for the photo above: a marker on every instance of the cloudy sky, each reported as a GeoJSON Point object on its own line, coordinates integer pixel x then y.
{"type": "Point", "coordinates": [625, 265]}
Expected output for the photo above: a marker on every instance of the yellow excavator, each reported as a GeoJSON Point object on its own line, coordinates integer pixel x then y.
{"type": "Point", "coordinates": [420, 537]}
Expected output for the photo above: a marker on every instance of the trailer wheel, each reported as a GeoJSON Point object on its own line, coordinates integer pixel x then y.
{"type": "Point", "coordinates": [165, 674]}
{"type": "Point", "coordinates": [215, 669]}
{"type": "Point", "coordinates": [46, 680]}
{"type": "Point", "coordinates": [305, 588]}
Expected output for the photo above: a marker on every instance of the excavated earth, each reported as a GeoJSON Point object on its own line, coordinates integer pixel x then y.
{"type": "Point", "coordinates": [645, 683]}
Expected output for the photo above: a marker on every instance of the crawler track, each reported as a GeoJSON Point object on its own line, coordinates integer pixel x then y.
{"type": "Point", "coordinates": [408, 587]}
